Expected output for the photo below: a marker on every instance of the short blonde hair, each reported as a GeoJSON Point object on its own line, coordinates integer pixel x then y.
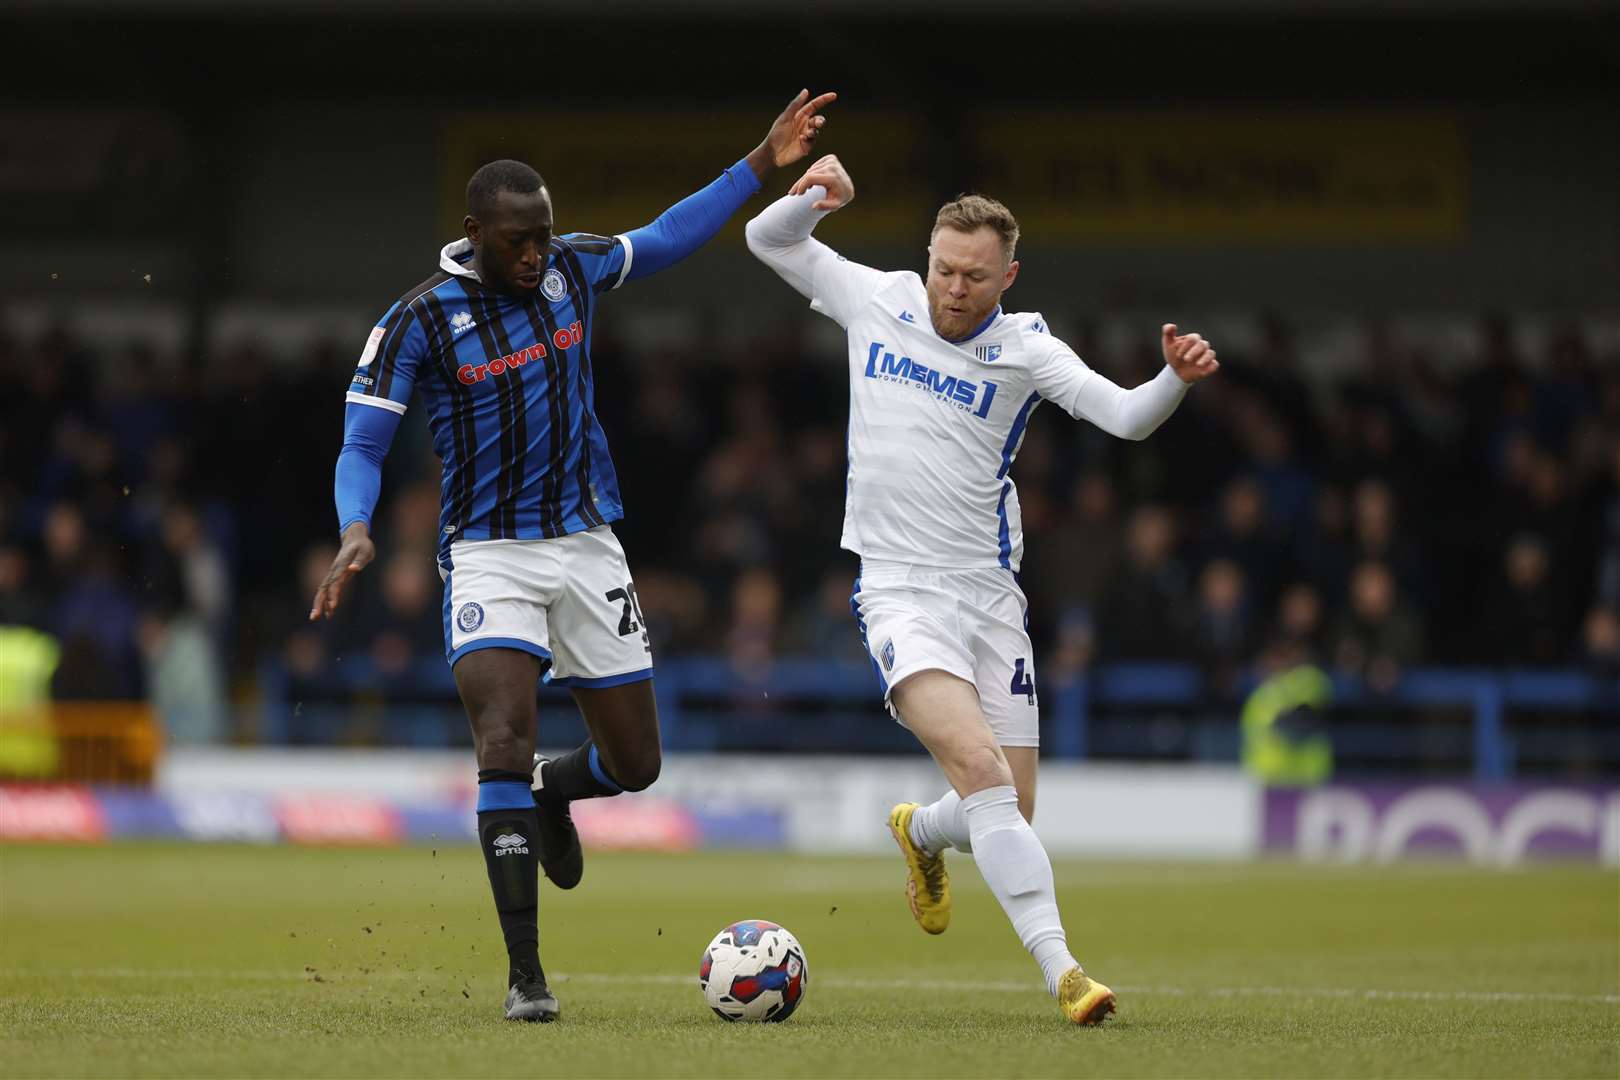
{"type": "Point", "coordinates": [970, 213]}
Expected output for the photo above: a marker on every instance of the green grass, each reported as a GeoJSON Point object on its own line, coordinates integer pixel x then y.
{"type": "Point", "coordinates": [235, 961]}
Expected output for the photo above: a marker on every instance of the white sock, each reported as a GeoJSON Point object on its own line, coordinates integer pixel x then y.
{"type": "Point", "coordinates": [1016, 868]}
{"type": "Point", "coordinates": [940, 825]}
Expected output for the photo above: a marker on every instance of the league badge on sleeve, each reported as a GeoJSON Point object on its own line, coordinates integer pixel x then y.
{"type": "Point", "coordinates": [369, 353]}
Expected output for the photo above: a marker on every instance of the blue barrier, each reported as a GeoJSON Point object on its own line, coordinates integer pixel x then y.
{"type": "Point", "coordinates": [704, 703]}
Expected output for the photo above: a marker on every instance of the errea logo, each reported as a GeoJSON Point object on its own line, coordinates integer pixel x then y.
{"type": "Point", "coordinates": [461, 322]}
{"type": "Point", "coordinates": [510, 844]}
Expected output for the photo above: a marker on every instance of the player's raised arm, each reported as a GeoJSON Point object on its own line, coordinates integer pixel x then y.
{"type": "Point", "coordinates": [780, 238]}
{"type": "Point", "coordinates": [1062, 377]}
{"type": "Point", "coordinates": [693, 221]}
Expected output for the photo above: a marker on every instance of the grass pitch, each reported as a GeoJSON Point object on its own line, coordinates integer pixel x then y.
{"type": "Point", "coordinates": [158, 960]}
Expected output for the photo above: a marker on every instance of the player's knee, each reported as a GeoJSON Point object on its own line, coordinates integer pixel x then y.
{"type": "Point", "coordinates": [502, 742]}
{"type": "Point", "coordinates": [638, 770]}
{"type": "Point", "coordinates": [981, 767]}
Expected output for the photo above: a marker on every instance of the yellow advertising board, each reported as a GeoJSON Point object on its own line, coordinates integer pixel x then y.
{"type": "Point", "coordinates": [1073, 179]}
{"type": "Point", "coordinates": [1226, 177]}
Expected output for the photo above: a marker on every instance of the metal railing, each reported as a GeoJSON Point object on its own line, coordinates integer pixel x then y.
{"type": "Point", "coordinates": [808, 704]}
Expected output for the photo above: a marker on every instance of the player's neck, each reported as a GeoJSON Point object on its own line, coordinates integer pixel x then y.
{"type": "Point", "coordinates": [995, 313]}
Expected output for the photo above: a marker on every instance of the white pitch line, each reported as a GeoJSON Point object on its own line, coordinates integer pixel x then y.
{"type": "Point", "coordinates": [963, 986]}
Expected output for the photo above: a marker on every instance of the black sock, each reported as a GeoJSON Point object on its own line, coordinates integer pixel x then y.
{"type": "Point", "coordinates": [507, 828]}
{"type": "Point", "coordinates": [578, 774]}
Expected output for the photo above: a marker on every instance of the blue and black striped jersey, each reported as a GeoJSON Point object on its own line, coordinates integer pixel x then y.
{"type": "Point", "coordinates": [508, 387]}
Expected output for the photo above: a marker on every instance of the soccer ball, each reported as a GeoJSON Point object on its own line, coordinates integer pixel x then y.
{"type": "Point", "coordinates": [754, 970]}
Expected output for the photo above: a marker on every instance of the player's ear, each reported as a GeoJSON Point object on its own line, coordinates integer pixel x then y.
{"type": "Point", "coordinates": [470, 223]}
{"type": "Point", "coordinates": [1012, 275]}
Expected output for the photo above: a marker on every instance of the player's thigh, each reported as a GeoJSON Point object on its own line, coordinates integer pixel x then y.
{"type": "Point", "coordinates": [623, 722]}
{"type": "Point", "coordinates": [992, 612]}
{"type": "Point", "coordinates": [907, 631]}
{"type": "Point", "coordinates": [497, 595]}
{"type": "Point", "coordinates": [1024, 761]}
{"type": "Point", "coordinates": [942, 710]}
{"type": "Point", "coordinates": [598, 637]}
{"type": "Point", "coordinates": [497, 686]}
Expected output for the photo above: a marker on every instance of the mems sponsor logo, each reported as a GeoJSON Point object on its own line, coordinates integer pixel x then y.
{"type": "Point", "coordinates": [965, 394]}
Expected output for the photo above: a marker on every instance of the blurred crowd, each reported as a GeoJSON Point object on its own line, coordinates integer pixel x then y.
{"type": "Point", "coordinates": [168, 521]}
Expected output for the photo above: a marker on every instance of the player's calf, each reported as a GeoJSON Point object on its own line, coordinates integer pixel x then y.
{"type": "Point", "coordinates": [508, 831]}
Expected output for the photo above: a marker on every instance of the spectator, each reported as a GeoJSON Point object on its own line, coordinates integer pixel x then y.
{"type": "Point", "coordinates": [1143, 605]}
{"type": "Point", "coordinates": [756, 612]}
{"type": "Point", "coordinates": [676, 610]}
{"type": "Point", "coordinates": [403, 621]}
{"type": "Point", "coordinates": [1222, 636]}
{"type": "Point", "coordinates": [1068, 567]}
{"type": "Point", "coordinates": [825, 628]}
{"type": "Point", "coordinates": [95, 620]}
{"type": "Point", "coordinates": [1378, 637]}
{"type": "Point", "coordinates": [1527, 624]}
{"type": "Point", "coordinates": [1299, 623]}
{"type": "Point", "coordinates": [1243, 537]}
{"type": "Point", "coordinates": [21, 602]}
{"type": "Point", "coordinates": [1375, 536]}
{"type": "Point", "coordinates": [1600, 642]}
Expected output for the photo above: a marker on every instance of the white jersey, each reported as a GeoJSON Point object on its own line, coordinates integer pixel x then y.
{"type": "Point", "coordinates": [935, 425]}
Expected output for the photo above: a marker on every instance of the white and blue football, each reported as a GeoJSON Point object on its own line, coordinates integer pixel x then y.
{"type": "Point", "coordinates": [754, 970]}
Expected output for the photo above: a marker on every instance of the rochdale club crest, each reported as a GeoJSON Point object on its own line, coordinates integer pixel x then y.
{"type": "Point", "coordinates": [553, 287]}
{"type": "Point", "coordinates": [470, 617]}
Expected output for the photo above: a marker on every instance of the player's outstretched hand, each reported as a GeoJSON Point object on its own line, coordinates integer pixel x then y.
{"type": "Point", "coordinates": [828, 173]}
{"type": "Point", "coordinates": [1188, 355]}
{"type": "Point", "coordinates": [357, 551]}
{"type": "Point", "coordinates": [793, 134]}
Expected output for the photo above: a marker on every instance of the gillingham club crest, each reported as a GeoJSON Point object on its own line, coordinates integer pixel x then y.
{"type": "Point", "coordinates": [470, 617]}
{"type": "Point", "coordinates": [552, 286]}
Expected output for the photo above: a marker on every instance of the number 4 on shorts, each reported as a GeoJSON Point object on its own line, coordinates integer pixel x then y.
{"type": "Point", "coordinates": [1023, 684]}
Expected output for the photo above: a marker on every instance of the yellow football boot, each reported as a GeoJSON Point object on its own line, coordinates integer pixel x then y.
{"type": "Point", "coordinates": [928, 886]}
{"type": "Point", "coordinates": [1084, 1000]}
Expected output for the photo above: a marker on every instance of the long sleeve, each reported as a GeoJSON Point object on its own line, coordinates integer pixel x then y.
{"type": "Point", "coordinates": [780, 238]}
{"type": "Point", "coordinates": [367, 434]}
{"type": "Point", "coordinates": [689, 224]}
{"type": "Point", "coordinates": [1063, 378]}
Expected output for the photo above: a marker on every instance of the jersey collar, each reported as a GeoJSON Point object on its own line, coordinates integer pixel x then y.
{"type": "Point", "coordinates": [456, 258]}
{"type": "Point", "coordinates": [982, 327]}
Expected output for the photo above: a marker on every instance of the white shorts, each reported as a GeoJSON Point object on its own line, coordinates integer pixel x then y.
{"type": "Point", "coordinates": [971, 623]}
{"type": "Point", "coordinates": [568, 600]}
